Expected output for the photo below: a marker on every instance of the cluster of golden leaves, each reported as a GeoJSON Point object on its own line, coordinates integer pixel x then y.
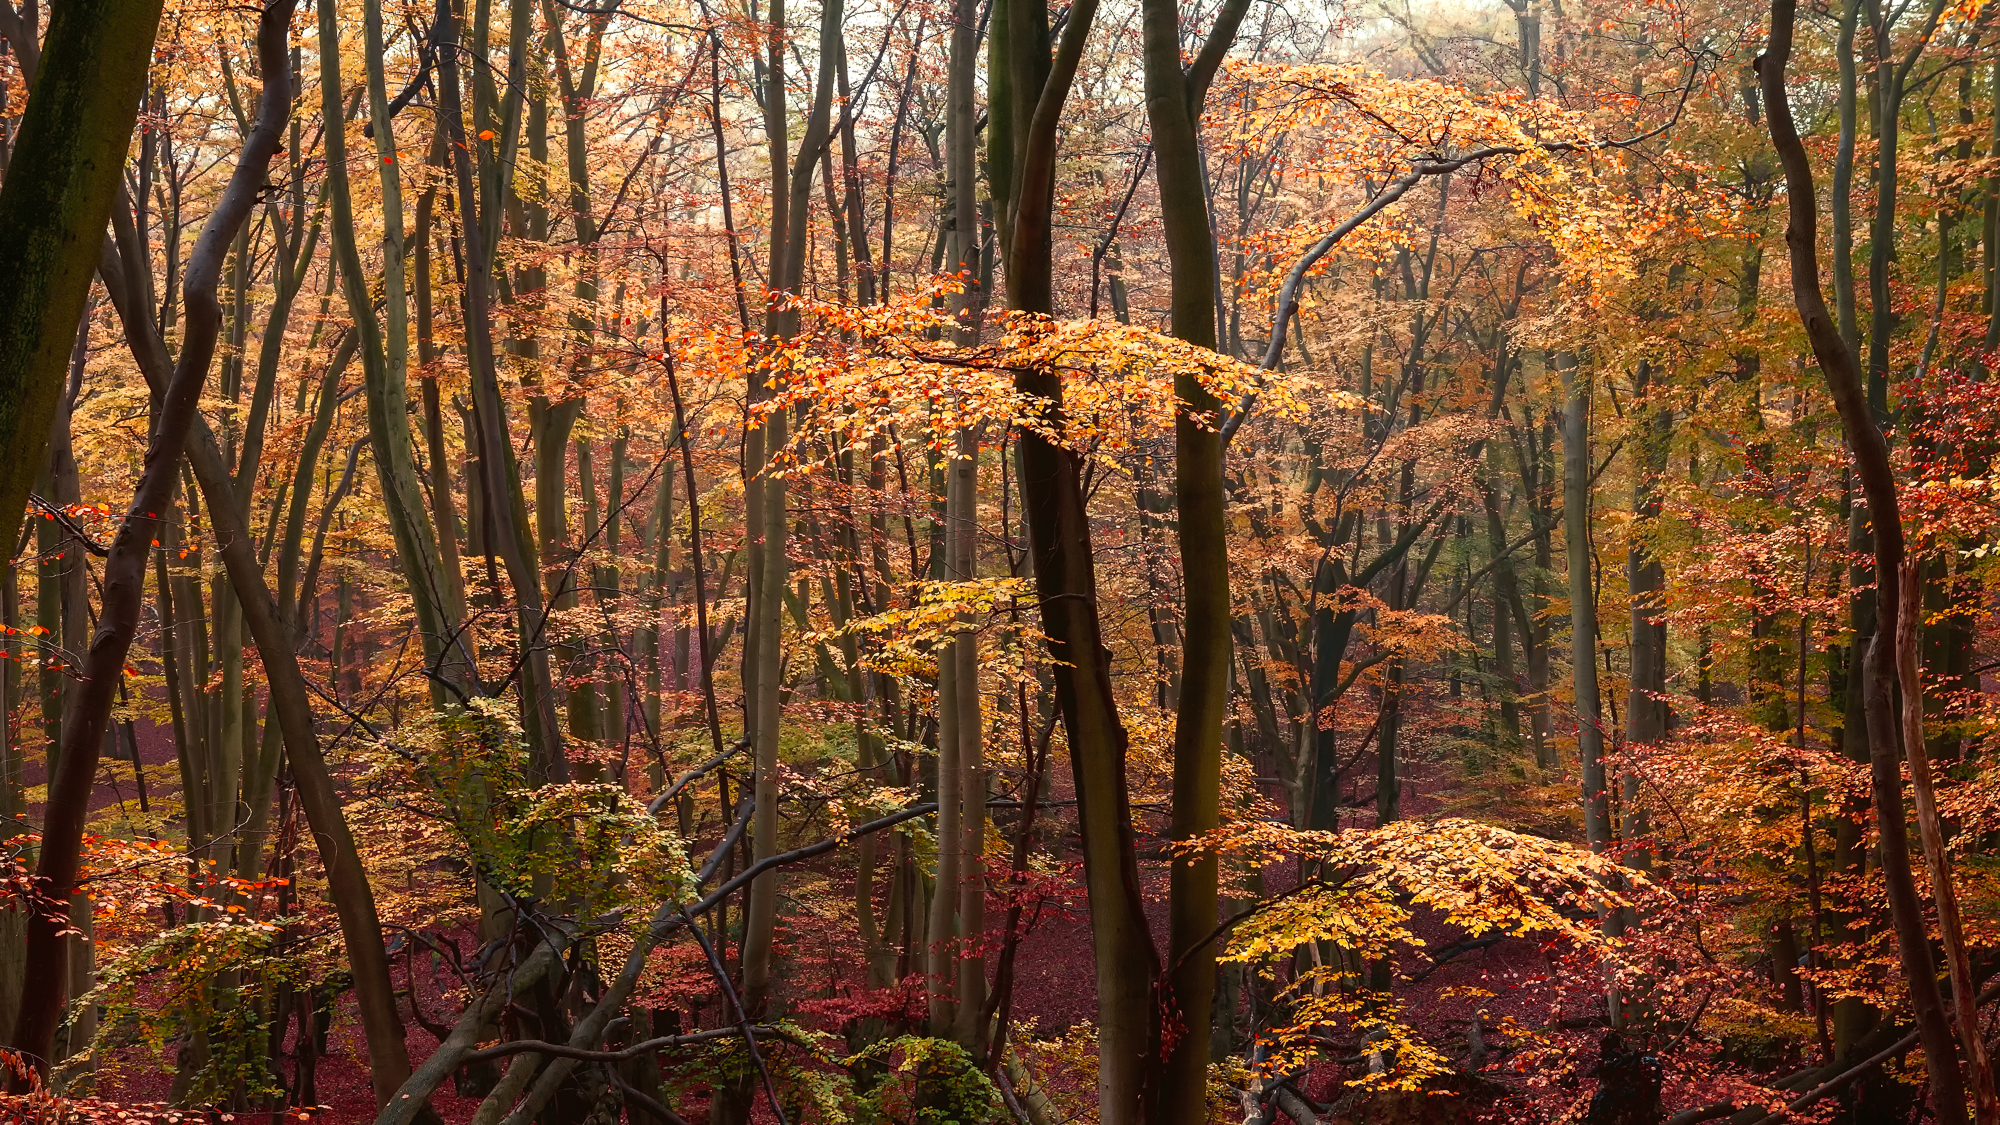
{"type": "Point", "coordinates": [902, 639]}
{"type": "Point", "coordinates": [1477, 878]}
{"type": "Point", "coordinates": [859, 374]}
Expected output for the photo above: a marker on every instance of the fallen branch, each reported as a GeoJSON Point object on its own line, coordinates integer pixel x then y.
{"type": "Point", "coordinates": [1453, 952]}
{"type": "Point", "coordinates": [1705, 1113]}
{"type": "Point", "coordinates": [1295, 1107]}
{"type": "Point", "coordinates": [1758, 1115]}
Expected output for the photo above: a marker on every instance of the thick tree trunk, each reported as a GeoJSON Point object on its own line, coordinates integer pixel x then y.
{"type": "Point", "coordinates": [1027, 87]}
{"type": "Point", "coordinates": [62, 178]}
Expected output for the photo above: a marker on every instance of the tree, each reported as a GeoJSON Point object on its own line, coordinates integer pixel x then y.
{"type": "Point", "coordinates": [62, 177]}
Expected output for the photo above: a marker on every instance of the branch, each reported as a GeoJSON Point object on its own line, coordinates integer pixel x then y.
{"type": "Point", "coordinates": [668, 918]}
{"type": "Point", "coordinates": [796, 855]}
{"type": "Point", "coordinates": [1831, 1086]}
{"type": "Point", "coordinates": [1221, 37]}
{"type": "Point", "coordinates": [564, 1050]}
{"type": "Point", "coordinates": [1847, 1077]}
{"type": "Point", "coordinates": [1241, 916]}
{"type": "Point", "coordinates": [1503, 556]}
{"type": "Point", "coordinates": [416, 1092]}
{"type": "Point", "coordinates": [744, 807]}
{"type": "Point", "coordinates": [70, 525]}
{"type": "Point", "coordinates": [683, 781]}
{"type": "Point", "coordinates": [643, 1100]}
{"type": "Point", "coordinates": [1288, 293]}
{"type": "Point", "coordinates": [1452, 953]}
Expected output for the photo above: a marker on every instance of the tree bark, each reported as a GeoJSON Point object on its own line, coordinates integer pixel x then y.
{"type": "Point", "coordinates": [791, 196]}
{"type": "Point", "coordinates": [500, 477]}
{"type": "Point", "coordinates": [1930, 829]}
{"type": "Point", "coordinates": [1645, 579]}
{"type": "Point", "coordinates": [1185, 994]}
{"type": "Point", "coordinates": [1871, 464]}
{"type": "Point", "coordinates": [385, 351]}
{"type": "Point", "coordinates": [1583, 603]}
{"type": "Point", "coordinates": [62, 178]}
{"type": "Point", "coordinates": [1027, 86]}
{"type": "Point", "coordinates": [276, 640]}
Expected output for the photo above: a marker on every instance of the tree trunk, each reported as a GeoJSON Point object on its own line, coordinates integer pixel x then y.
{"type": "Point", "coordinates": [1872, 466]}
{"type": "Point", "coordinates": [384, 348]}
{"type": "Point", "coordinates": [353, 899]}
{"type": "Point", "coordinates": [1958, 965]}
{"type": "Point", "coordinates": [62, 178]}
{"type": "Point", "coordinates": [501, 481]}
{"type": "Point", "coordinates": [1186, 992]}
{"type": "Point", "coordinates": [962, 508]}
{"type": "Point", "coordinates": [1583, 603]}
{"type": "Point", "coordinates": [1645, 706]}
{"type": "Point", "coordinates": [791, 196]}
{"type": "Point", "coordinates": [1027, 87]}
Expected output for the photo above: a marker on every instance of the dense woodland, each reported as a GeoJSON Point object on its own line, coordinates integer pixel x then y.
{"type": "Point", "coordinates": [973, 561]}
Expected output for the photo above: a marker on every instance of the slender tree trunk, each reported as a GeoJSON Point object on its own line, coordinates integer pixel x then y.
{"type": "Point", "coordinates": [1872, 466]}
{"type": "Point", "coordinates": [1026, 89]}
{"type": "Point", "coordinates": [505, 512]}
{"type": "Point", "coordinates": [353, 898]}
{"type": "Point", "coordinates": [962, 512]}
{"type": "Point", "coordinates": [966, 727]}
{"type": "Point", "coordinates": [385, 348]}
{"type": "Point", "coordinates": [1174, 98]}
{"type": "Point", "coordinates": [1841, 205]}
{"type": "Point", "coordinates": [791, 195]}
{"type": "Point", "coordinates": [70, 610]}
{"type": "Point", "coordinates": [444, 513]}
{"type": "Point", "coordinates": [764, 530]}
{"type": "Point", "coordinates": [1583, 603]}
{"type": "Point", "coordinates": [1958, 965]}
{"type": "Point", "coordinates": [1645, 707]}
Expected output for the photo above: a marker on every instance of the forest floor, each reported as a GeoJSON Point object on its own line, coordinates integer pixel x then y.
{"type": "Point", "coordinates": [1505, 979]}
